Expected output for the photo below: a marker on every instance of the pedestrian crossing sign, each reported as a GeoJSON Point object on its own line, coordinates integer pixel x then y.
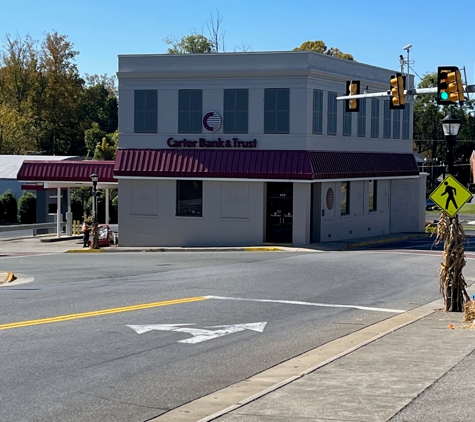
{"type": "Point", "coordinates": [451, 195]}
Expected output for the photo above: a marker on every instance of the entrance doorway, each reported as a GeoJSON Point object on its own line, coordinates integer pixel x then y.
{"type": "Point", "coordinates": [279, 212]}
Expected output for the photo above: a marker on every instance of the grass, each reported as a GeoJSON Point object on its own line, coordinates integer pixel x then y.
{"type": "Point", "coordinates": [466, 209]}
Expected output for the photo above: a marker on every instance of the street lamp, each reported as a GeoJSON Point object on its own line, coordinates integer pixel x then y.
{"type": "Point", "coordinates": [95, 179]}
{"type": "Point", "coordinates": [451, 125]}
{"type": "Point", "coordinates": [95, 231]}
{"type": "Point", "coordinates": [451, 273]}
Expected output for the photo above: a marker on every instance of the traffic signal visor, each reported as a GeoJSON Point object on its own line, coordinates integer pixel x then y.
{"type": "Point", "coordinates": [398, 100]}
{"type": "Point", "coordinates": [352, 88]}
{"type": "Point", "coordinates": [449, 85]}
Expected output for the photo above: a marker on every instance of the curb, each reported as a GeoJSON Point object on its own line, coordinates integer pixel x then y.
{"type": "Point", "coordinates": [88, 250]}
{"type": "Point", "coordinates": [306, 363]}
{"type": "Point", "coordinates": [10, 277]}
{"type": "Point", "coordinates": [383, 241]}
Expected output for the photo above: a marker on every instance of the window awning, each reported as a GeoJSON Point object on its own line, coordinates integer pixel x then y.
{"type": "Point", "coordinates": [262, 164]}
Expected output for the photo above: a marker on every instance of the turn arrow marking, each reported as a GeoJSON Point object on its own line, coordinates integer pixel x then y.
{"type": "Point", "coordinates": [199, 334]}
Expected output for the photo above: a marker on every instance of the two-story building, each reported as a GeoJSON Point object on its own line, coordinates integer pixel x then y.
{"type": "Point", "coordinates": [254, 148]}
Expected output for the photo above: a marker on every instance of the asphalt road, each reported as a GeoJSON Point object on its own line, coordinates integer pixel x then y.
{"type": "Point", "coordinates": [88, 364]}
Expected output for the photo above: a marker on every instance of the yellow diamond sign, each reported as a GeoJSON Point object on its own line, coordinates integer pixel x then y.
{"type": "Point", "coordinates": [450, 195]}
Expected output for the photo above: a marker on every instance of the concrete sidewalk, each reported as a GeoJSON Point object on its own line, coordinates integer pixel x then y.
{"type": "Point", "coordinates": [369, 375]}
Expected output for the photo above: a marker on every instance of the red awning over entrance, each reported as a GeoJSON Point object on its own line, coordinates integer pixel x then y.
{"type": "Point", "coordinates": [262, 164]}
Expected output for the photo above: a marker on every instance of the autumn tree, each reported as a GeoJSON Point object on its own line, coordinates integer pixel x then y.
{"type": "Point", "coordinates": [319, 46]}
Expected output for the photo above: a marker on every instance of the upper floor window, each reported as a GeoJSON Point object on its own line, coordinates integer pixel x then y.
{"type": "Point", "coordinates": [276, 110]}
{"type": "Point", "coordinates": [347, 121]}
{"type": "Point", "coordinates": [317, 112]}
{"type": "Point", "coordinates": [145, 111]}
{"type": "Point", "coordinates": [332, 113]}
{"type": "Point", "coordinates": [396, 124]}
{"type": "Point", "coordinates": [190, 110]}
{"type": "Point", "coordinates": [387, 120]}
{"type": "Point", "coordinates": [374, 118]}
{"type": "Point", "coordinates": [361, 131]}
{"type": "Point", "coordinates": [236, 110]}
{"type": "Point", "coordinates": [406, 115]}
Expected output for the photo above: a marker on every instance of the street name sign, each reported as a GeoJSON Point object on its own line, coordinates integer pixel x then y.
{"type": "Point", "coordinates": [450, 195]}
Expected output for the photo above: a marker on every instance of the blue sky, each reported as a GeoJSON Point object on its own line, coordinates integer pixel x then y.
{"type": "Point", "coordinates": [373, 31]}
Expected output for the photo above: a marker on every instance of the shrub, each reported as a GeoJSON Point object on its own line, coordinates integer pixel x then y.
{"type": "Point", "coordinates": [10, 209]}
{"type": "Point", "coordinates": [27, 208]}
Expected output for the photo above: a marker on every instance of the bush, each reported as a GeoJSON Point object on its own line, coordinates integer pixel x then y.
{"type": "Point", "coordinates": [9, 206]}
{"type": "Point", "coordinates": [27, 208]}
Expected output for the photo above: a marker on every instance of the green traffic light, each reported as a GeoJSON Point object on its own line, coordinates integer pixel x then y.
{"type": "Point", "coordinates": [444, 96]}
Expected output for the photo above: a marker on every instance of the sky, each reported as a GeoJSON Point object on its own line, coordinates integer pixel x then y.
{"type": "Point", "coordinates": [373, 31]}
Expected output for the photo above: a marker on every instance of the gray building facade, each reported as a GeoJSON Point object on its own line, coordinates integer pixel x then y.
{"type": "Point", "coordinates": [254, 148]}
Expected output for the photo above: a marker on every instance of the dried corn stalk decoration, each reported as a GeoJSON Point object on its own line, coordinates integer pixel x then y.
{"type": "Point", "coordinates": [452, 282]}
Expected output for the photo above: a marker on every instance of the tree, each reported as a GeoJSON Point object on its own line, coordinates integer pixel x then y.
{"type": "Point", "coordinates": [319, 47]}
{"type": "Point", "coordinates": [9, 205]}
{"type": "Point", "coordinates": [107, 148]}
{"type": "Point", "coordinates": [189, 44]}
{"type": "Point", "coordinates": [93, 137]}
{"type": "Point", "coordinates": [60, 101]}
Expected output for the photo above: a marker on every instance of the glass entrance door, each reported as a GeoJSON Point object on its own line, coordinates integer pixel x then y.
{"type": "Point", "coordinates": [279, 212]}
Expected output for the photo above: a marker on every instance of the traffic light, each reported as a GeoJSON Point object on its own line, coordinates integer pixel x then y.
{"type": "Point", "coordinates": [398, 99]}
{"type": "Point", "coordinates": [449, 86]}
{"type": "Point", "coordinates": [352, 88]}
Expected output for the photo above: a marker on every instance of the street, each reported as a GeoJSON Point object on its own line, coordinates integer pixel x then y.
{"type": "Point", "coordinates": [129, 336]}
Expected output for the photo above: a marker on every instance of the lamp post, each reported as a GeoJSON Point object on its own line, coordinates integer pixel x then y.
{"type": "Point", "coordinates": [95, 231]}
{"type": "Point", "coordinates": [451, 126]}
{"type": "Point", "coordinates": [95, 179]}
{"type": "Point", "coordinates": [451, 276]}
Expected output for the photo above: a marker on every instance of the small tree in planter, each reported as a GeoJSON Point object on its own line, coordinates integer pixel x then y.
{"type": "Point", "coordinates": [27, 208]}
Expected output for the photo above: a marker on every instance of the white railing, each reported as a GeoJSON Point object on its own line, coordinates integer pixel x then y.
{"type": "Point", "coordinates": [34, 227]}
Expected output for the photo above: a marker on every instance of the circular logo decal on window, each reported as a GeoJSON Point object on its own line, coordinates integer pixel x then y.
{"type": "Point", "coordinates": [212, 121]}
{"type": "Point", "coordinates": [330, 198]}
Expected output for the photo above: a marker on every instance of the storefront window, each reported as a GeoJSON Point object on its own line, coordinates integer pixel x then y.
{"type": "Point", "coordinates": [189, 198]}
{"type": "Point", "coordinates": [145, 111]}
{"type": "Point", "coordinates": [276, 110]}
{"type": "Point", "coordinates": [236, 110]}
{"type": "Point", "coordinates": [345, 198]}
{"type": "Point", "coordinates": [190, 110]}
{"type": "Point", "coordinates": [372, 195]}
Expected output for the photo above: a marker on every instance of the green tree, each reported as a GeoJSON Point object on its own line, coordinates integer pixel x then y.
{"type": "Point", "coordinates": [189, 44]}
{"type": "Point", "coordinates": [107, 148]}
{"type": "Point", "coordinates": [93, 137]}
{"type": "Point", "coordinates": [320, 47]}
{"type": "Point", "coordinates": [59, 103]}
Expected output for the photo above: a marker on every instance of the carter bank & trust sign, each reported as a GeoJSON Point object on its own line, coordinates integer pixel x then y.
{"type": "Point", "coordinates": [203, 143]}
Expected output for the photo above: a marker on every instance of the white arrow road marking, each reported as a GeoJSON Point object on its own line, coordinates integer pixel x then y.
{"type": "Point", "coordinates": [199, 334]}
{"type": "Point", "coordinates": [292, 302]}
{"type": "Point", "coordinates": [161, 327]}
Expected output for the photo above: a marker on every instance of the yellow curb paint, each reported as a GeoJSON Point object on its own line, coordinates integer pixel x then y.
{"type": "Point", "coordinates": [11, 277]}
{"type": "Point", "coordinates": [83, 250]}
{"type": "Point", "coordinates": [70, 317]}
{"type": "Point", "coordinates": [261, 249]}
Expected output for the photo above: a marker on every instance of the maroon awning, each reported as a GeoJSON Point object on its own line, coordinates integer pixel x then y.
{"type": "Point", "coordinates": [66, 171]}
{"type": "Point", "coordinates": [262, 164]}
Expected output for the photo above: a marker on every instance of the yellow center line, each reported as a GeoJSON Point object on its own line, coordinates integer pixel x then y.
{"type": "Point", "coordinates": [100, 312]}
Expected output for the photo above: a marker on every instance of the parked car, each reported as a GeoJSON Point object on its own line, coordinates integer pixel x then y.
{"type": "Point", "coordinates": [431, 205]}
{"type": "Point", "coordinates": [105, 235]}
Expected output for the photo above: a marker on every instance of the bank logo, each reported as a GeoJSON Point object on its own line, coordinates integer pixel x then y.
{"type": "Point", "coordinates": [212, 121]}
